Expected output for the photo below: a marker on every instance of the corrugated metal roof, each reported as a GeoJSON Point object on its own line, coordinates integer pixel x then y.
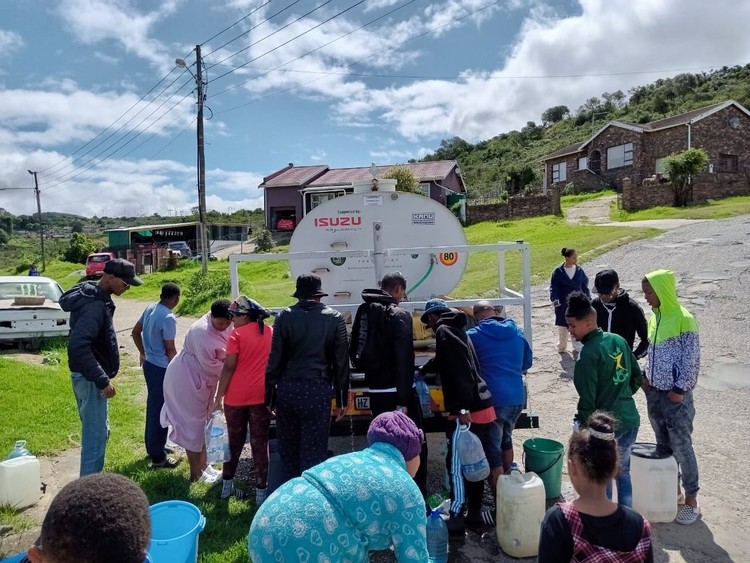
{"type": "Point", "coordinates": [296, 176]}
{"type": "Point", "coordinates": [424, 171]}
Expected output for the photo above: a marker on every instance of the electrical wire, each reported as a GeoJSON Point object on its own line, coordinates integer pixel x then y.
{"type": "Point", "coordinates": [320, 47]}
{"type": "Point", "coordinates": [243, 18]}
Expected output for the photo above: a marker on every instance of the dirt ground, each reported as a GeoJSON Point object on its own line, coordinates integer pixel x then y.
{"type": "Point", "coordinates": [712, 262]}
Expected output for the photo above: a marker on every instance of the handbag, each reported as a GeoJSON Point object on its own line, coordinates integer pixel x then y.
{"type": "Point", "coordinates": [217, 439]}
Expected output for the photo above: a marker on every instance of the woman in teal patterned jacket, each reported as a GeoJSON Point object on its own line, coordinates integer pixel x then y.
{"type": "Point", "coordinates": [350, 504]}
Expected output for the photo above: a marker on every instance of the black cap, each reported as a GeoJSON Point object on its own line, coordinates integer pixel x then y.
{"type": "Point", "coordinates": [309, 286]}
{"type": "Point", "coordinates": [605, 281]}
{"type": "Point", "coordinates": [122, 269]}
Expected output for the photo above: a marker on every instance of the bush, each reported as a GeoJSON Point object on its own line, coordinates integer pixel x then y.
{"type": "Point", "coordinates": [264, 241]}
{"type": "Point", "coordinates": [79, 247]}
{"type": "Point", "coordinates": [202, 289]}
{"type": "Point", "coordinates": [570, 189]}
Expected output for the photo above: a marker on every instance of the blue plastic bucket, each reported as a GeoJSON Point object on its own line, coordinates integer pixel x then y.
{"type": "Point", "coordinates": [175, 526]}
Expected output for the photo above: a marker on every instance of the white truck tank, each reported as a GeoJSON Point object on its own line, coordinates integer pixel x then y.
{"type": "Point", "coordinates": [377, 217]}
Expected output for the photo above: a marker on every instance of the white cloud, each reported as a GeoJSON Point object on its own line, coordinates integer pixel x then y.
{"type": "Point", "coordinates": [106, 58]}
{"type": "Point", "coordinates": [10, 41]}
{"type": "Point", "coordinates": [318, 155]}
{"type": "Point", "coordinates": [95, 21]}
{"type": "Point", "coordinates": [608, 37]}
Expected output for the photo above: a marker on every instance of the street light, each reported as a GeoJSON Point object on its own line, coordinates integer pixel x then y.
{"type": "Point", "coordinates": [201, 158]}
{"type": "Point", "coordinates": [39, 210]}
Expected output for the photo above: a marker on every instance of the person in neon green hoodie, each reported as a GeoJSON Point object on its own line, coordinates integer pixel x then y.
{"type": "Point", "coordinates": [606, 376]}
{"type": "Point", "coordinates": [671, 375]}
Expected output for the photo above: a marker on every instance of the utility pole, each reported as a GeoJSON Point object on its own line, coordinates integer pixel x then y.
{"type": "Point", "coordinates": [39, 211]}
{"type": "Point", "coordinates": [201, 162]}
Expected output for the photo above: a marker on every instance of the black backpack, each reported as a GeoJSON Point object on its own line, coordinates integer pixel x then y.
{"type": "Point", "coordinates": [368, 348]}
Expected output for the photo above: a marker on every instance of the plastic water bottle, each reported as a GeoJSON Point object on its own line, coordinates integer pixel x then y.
{"type": "Point", "coordinates": [437, 538]}
{"type": "Point", "coordinates": [423, 392]}
{"type": "Point", "coordinates": [19, 450]}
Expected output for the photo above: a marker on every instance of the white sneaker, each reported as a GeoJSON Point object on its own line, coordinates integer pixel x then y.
{"type": "Point", "coordinates": [688, 514]}
{"type": "Point", "coordinates": [212, 478]}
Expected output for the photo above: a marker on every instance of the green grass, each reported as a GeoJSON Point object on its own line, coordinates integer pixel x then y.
{"type": "Point", "coordinates": [570, 200]}
{"type": "Point", "coordinates": [39, 406]}
{"type": "Point", "coordinates": [714, 209]}
{"type": "Point", "coordinates": [546, 235]}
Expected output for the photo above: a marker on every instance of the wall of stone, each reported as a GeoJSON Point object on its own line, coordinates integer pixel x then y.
{"type": "Point", "coordinates": [518, 207]}
{"type": "Point", "coordinates": [705, 187]}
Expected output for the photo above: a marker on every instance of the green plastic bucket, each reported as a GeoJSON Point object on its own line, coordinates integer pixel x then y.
{"type": "Point", "coordinates": [545, 458]}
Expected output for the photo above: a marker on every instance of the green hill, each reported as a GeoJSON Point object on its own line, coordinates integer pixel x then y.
{"type": "Point", "coordinates": [509, 162]}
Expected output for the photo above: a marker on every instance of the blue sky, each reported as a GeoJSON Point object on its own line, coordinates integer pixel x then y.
{"type": "Point", "coordinates": [418, 71]}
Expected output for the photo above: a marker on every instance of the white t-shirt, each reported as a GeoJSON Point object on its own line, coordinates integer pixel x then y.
{"type": "Point", "coordinates": [570, 270]}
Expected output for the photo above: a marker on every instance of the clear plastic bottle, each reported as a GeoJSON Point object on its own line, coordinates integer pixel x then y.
{"type": "Point", "coordinates": [423, 392]}
{"type": "Point", "coordinates": [19, 450]}
{"type": "Point", "coordinates": [437, 538]}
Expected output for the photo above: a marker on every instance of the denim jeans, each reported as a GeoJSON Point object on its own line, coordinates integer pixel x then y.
{"type": "Point", "coordinates": [506, 420]}
{"type": "Point", "coordinates": [93, 412]}
{"type": "Point", "coordinates": [625, 440]}
{"type": "Point", "coordinates": [155, 437]}
{"type": "Point", "coordinates": [673, 426]}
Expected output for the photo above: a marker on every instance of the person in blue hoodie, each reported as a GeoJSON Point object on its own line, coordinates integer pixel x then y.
{"type": "Point", "coordinates": [93, 355]}
{"type": "Point", "coordinates": [566, 278]}
{"type": "Point", "coordinates": [350, 504]}
{"type": "Point", "coordinates": [504, 356]}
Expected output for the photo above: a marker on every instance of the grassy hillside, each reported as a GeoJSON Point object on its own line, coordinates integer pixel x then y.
{"type": "Point", "coordinates": [509, 161]}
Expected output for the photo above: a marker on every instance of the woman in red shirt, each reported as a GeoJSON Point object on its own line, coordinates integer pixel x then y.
{"type": "Point", "coordinates": [242, 389]}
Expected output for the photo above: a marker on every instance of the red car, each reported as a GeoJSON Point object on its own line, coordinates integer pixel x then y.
{"type": "Point", "coordinates": [95, 263]}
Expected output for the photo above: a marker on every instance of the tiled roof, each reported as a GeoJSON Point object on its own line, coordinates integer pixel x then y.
{"type": "Point", "coordinates": [680, 119]}
{"type": "Point", "coordinates": [424, 171]}
{"type": "Point", "coordinates": [570, 149]}
{"type": "Point", "coordinates": [295, 176]}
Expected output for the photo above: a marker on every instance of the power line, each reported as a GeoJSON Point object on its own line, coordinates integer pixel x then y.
{"type": "Point", "coordinates": [432, 30]}
{"type": "Point", "coordinates": [318, 48]}
{"type": "Point", "coordinates": [243, 18]}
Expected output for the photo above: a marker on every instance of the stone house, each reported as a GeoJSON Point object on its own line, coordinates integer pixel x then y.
{"type": "Point", "coordinates": [290, 193]}
{"type": "Point", "coordinates": [624, 150]}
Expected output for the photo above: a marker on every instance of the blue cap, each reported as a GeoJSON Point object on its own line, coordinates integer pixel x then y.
{"type": "Point", "coordinates": [434, 306]}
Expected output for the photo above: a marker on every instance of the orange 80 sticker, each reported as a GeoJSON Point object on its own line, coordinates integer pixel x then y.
{"type": "Point", "coordinates": [448, 258]}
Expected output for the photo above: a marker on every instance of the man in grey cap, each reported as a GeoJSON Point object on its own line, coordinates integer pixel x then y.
{"type": "Point", "coordinates": [93, 355]}
{"type": "Point", "coordinates": [307, 367]}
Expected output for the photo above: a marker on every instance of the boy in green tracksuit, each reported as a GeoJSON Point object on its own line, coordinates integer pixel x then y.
{"type": "Point", "coordinates": [606, 377]}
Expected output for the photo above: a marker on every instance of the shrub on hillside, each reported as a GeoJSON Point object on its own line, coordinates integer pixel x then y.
{"type": "Point", "coordinates": [79, 247]}
{"type": "Point", "coordinates": [201, 290]}
{"type": "Point", "coordinates": [264, 241]}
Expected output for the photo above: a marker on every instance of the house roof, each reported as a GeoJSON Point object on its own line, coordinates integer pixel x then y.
{"type": "Point", "coordinates": [674, 121]}
{"type": "Point", "coordinates": [293, 176]}
{"type": "Point", "coordinates": [318, 176]}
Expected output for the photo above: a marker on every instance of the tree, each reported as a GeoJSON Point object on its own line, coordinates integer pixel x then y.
{"type": "Point", "coordinates": [4, 237]}
{"type": "Point", "coordinates": [519, 176]}
{"type": "Point", "coordinates": [264, 241]}
{"type": "Point", "coordinates": [77, 227]}
{"type": "Point", "coordinates": [406, 180]}
{"type": "Point", "coordinates": [554, 114]}
{"type": "Point", "coordinates": [79, 247]}
{"type": "Point", "coordinates": [681, 167]}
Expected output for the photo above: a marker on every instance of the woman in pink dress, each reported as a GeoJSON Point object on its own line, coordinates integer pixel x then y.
{"type": "Point", "coordinates": [190, 383]}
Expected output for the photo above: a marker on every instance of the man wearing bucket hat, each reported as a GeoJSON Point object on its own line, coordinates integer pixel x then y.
{"type": "Point", "coordinates": [242, 389]}
{"type": "Point", "coordinates": [350, 504]}
{"type": "Point", "coordinates": [94, 356]}
{"type": "Point", "coordinates": [606, 376]}
{"type": "Point", "coordinates": [469, 401]}
{"type": "Point", "coordinates": [308, 366]}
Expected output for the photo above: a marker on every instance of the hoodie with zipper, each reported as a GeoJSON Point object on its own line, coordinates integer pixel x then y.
{"type": "Point", "coordinates": [92, 344]}
{"type": "Point", "coordinates": [624, 317]}
{"type": "Point", "coordinates": [674, 351]}
{"type": "Point", "coordinates": [504, 354]}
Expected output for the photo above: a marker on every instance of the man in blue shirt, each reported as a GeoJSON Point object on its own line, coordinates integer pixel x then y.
{"type": "Point", "coordinates": [154, 335]}
{"type": "Point", "coordinates": [504, 356]}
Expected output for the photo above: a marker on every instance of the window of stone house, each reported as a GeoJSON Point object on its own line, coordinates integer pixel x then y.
{"type": "Point", "coordinates": [559, 172]}
{"type": "Point", "coordinates": [595, 163]}
{"type": "Point", "coordinates": [621, 155]}
{"type": "Point", "coordinates": [659, 167]}
{"type": "Point", "coordinates": [727, 163]}
{"type": "Point", "coordinates": [583, 163]}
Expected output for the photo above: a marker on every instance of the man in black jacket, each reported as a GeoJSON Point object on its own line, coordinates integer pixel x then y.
{"type": "Point", "coordinates": [93, 355]}
{"type": "Point", "coordinates": [468, 401]}
{"type": "Point", "coordinates": [616, 312]}
{"type": "Point", "coordinates": [389, 373]}
{"type": "Point", "coordinates": [307, 367]}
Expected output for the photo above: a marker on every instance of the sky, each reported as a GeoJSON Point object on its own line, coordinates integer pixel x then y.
{"type": "Point", "coordinates": [93, 101]}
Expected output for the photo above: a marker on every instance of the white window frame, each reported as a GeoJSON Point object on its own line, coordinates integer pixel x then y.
{"type": "Point", "coordinates": [559, 172]}
{"type": "Point", "coordinates": [320, 198]}
{"type": "Point", "coordinates": [424, 188]}
{"type": "Point", "coordinates": [583, 163]}
{"type": "Point", "coordinates": [619, 156]}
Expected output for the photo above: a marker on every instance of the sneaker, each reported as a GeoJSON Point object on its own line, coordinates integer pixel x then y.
{"type": "Point", "coordinates": [688, 514]}
{"type": "Point", "coordinates": [486, 520]}
{"type": "Point", "coordinates": [210, 469]}
{"type": "Point", "coordinates": [456, 526]}
{"type": "Point", "coordinates": [166, 463]}
{"type": "Point", "coordinates": [210, 478]}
